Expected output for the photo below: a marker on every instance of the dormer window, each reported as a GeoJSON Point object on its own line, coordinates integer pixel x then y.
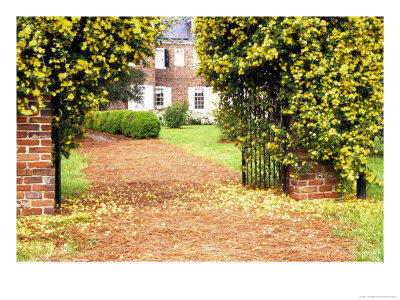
{"type": "Point", "coordinates": [162, 58]}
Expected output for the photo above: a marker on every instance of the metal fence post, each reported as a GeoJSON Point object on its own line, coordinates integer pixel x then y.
{"type": "Point", "coordinates": [361, 186]}
{"type": "Point", "coordinates": [57, 149]}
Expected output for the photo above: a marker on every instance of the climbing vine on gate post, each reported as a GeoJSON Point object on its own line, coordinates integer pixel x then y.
{"type": "Point", "coordinates": [289, 82]}
{"type": "Point", "coordinates": [73, 58]}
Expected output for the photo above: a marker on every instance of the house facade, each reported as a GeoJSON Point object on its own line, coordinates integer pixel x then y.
{"type": "Point", "coordinates": [171, 77]}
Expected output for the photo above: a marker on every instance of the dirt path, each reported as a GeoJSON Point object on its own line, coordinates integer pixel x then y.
{"type": "Point", "coordinates": [170, 215]}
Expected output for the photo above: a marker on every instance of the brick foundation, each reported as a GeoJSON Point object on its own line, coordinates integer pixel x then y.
{"type": "Point", "coordinates": [35, 174]}
{"type": "Point", "coordinates": [320, 182]}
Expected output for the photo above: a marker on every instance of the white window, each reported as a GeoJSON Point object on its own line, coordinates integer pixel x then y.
{"type": "Point", "coordinates": [179, 57]}
{"type": "Point", "coordinates": [159, 96]}
{"type": "Point", "coordinates": [146, 103]}
{"type": "Point", "coordinates": [160, 58]}
{"type": "Point", "coordinates": [163, 96]}
{"type": "Point", "coordinates": [199, 98]}
{"type": "Point", "coordinates": [202, 98]}
{"type": "Point", "coordinates": [140, 103]}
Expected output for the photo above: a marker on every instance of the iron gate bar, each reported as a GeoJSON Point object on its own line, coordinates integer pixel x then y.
{"type": "Point", "coordinates": [259, 167]}
{"type": "Point", "coordinates": [260, 143]}
{"type": "Point", "coordinates": [57, 149]}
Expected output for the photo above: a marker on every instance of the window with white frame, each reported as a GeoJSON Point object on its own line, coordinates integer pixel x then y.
{"type": "Point", "coordinates": [179, 57]}
{"type": "Point", "coordinates": [142, 90]}
{"type": "Point", "coordinates": [199, 98]}
{"type": "Point", "coordinates": [159, 96]}
{"type": "Point", "coordinates": [160, 58]}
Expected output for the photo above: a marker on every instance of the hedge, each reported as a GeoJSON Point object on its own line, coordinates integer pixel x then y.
{"type": "Point", "coordinates": [135, 124]}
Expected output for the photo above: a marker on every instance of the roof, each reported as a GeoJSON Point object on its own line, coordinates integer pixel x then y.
{"type": "Point", "coordinates": [179, 30]}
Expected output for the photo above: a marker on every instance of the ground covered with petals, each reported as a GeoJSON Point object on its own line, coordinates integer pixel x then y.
{"type": "Point", "coordinates": [152, 201]}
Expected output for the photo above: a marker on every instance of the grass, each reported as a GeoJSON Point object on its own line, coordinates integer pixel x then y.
{"type": "Point", "coordinates": [374, 190]}
{"type": "Point", "coordinates": [361, 220]}
{"type": "Point", "coordinates": [39, 237]}
{"type": "Point", "coordinates": [73, 181]}
{"type": "Point", "coordinates": [202, 141]}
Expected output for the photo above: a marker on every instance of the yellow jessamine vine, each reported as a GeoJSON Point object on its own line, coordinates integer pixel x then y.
{"type": "Point", "coordinates": [325, 74]}
{"type": "Point", "coordinates": [70, 59]}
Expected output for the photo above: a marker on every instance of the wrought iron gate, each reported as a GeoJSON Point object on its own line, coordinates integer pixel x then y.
{"type": "Point", "coordinates": [259, 165]}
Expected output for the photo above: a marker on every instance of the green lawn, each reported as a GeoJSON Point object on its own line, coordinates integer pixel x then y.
{"type": "Point", "coordinates": [373, 190]}
{"type": "Point", "coordinates": [73, 182]}
{"type": "Point", "coordinates": [202, 140]}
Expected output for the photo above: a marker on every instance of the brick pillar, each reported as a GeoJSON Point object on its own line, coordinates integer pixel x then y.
{"type": "Point", "coordinates": [320, 182]}
{"type": "Point", "coordinates": [35, 174]}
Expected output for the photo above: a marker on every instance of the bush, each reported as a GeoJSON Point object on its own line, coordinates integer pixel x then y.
{"type": "Point", "coordinates": [227, 124]}
{"type": "Point", "coordinates": [145, 125]}
{"type": "Point", "coordinates": [135, 124]}
{"type": "Point", "coordinates": [199, 118]}
{"type": "Point", "coordinates": [176, 114]}
{"type": "Point", "coordinates": [113, 123]}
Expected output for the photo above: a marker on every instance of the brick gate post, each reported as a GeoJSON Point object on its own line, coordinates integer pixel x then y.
{"type": "Point", "coordinates": [35, 174]}
{"type": "Point", "coordinates": [319, 182]}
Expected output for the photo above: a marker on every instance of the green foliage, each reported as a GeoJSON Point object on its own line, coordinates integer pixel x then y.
{"type": "Point", "coordinates": [145, 124]}
{"type": "Point", "coordinates": [176, 114]}
{"type": "Point", "coordinates": [378, 145]}
{"type": "Point", "coordinates": [126, 88]}
{"type": "Point", "coordinates": [113, 123]}
{"type": "Point", "coordinates": [227, 124]}
{"type": "Point", "coordinates": [135, 124]}
{"type": "Point", "coordinates": [72, 59]}
{"type": "Point", "coordinates": [320, 79]}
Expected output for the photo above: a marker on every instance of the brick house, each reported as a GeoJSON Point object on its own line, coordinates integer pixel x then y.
{"type": "Point", "coordinates": [172, 75]}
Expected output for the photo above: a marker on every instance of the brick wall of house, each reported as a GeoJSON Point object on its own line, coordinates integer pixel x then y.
{"type": "Point", "coordinates": [118, 105]}
{"type": "Point", "coordinates": [179, 78]}
{"type": "Point", "coordinates": [150, 72]}
{"type": "Point", "coordinates": [319, 182]}
{"type": "Point", "coordinates": [35, 174]}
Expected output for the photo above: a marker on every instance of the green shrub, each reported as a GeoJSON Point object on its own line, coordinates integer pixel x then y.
{"type": "Point", "coordinates": [126, 119]}
{"type": "Point", "coordinates": [199, 118]}
{"type": "Point", "coordinates": [176, 114]}
{"type": "Point", "coordinates": [113, 123]}
{"type": "Point", "coordinates": [136, 124]}
{"type": "Point", "coordinates": [103, 117]}
{"type": "Point", "coordinates": [145, 125]}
